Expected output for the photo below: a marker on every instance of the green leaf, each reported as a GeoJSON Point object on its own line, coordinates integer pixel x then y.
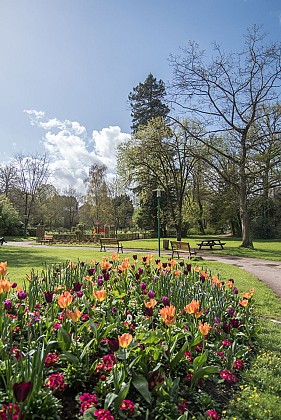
{"type": "Point", "coordinates": [64, 339]}
{"type": "Point", "coordinates": [86, 348]}
{"type": "Point", "coordinates": [141, 385]}
{"type": "Point", "coordinates": [70, 357]}
{"type": "Point", "coordinates": [200, 360]}
{"type": "Point", "coordinates": [151, 338]}
{"type": "Point", "coordinates": [109, 400]}
{"type": "Point", "coordinates": [122, 394]}
{"type": "Point", "coordinates": [179, 355]}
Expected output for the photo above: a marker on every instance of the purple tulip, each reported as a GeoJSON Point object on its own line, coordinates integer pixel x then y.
{"type": "Point", "coordinates": [49, 296]}
{"type": "Point", "coordinates": [21, 390]}
{"type": "Point", "coordinates": [22, 294]}
{"type": "Point", "coordinates": [151, 294]}
{"type": "Point", "coordinates": [113, 344]}
{"type": "Point", "coordinates": [8, 304]}
{"type": "Point", "coordinates": [230, 311]}
{"type": "Point", "coordinates": [143, 286]}
{"type": "Point", "coordinates": [77, 286]}
{"type": "Point", "coordinates": [79, 294]}
{"type": "Point", "coordinates": [14, 285]}
{"type": "Point", "coordinates": [166, 301]}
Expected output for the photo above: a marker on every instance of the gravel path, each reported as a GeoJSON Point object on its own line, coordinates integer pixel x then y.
{"type": "Point", "coordinates": [267, 271]}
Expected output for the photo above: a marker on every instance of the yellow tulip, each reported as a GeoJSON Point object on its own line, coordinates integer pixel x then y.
{"type": "Point", "coordinates": [65, 299]}
{"type": "Point", "coordinates": [74, 316]}
{"type": "Point", "coordinates": [100, 295]}
{"type": "Point", "coordinates": [168, 315]}
{"type": "Point", "coordinates": [125, 340]}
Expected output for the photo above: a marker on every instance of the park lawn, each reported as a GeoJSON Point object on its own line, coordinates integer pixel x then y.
{"type": "Point", "coordinates": [265, 249]}
{"type": "Point", "coordinates": [259, 394]}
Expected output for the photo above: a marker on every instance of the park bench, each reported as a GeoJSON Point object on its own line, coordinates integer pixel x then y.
{"type": "Point", "coordinates": [109, 242]}
{"type": "Point", "coordinates": [181, 247]}
{"type": "Point", "coordinates": [210, 243]}
{"type": "Point", "coordinates": [47, 239]}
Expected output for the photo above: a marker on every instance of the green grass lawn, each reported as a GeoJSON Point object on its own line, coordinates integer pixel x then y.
{"type": "Point", "coordinates": [258, 397]}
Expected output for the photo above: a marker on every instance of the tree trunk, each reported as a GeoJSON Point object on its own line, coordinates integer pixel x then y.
{"type": "Point", "coordinates": [244, 214]}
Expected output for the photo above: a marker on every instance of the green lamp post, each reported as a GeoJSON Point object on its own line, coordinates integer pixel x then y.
{"type": "Point", "coordinates": [158, 195]}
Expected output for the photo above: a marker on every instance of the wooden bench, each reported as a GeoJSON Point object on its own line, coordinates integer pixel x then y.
{"type": "Point", "coordinates": [210, 243]}
{"type": "Point", "coordinates": [47, 239]}
{"type": "Point", "coordinates": [181, 247]}
{"type": "Point", "coordinates": [110, 241]}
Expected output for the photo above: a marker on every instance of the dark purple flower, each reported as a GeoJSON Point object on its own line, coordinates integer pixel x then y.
{"type": "Point", "coordinates": [230, 311]}
{"type": "Point", "coordinates": [202, 279]}
{"type": "Point", "coordinates": [151, 294]}
{"type": "Point", "coordinates": [164, 265]}
{"type": "Point", "coordinates": [135, 257]}
{"type": "Point", "coordinates": [21, 390]}
{"type": "Point", "coordinates": [235, 290]}
{"type": "Point", "coordinates": [226, 328]}
{"type": "Point", "coordinates": [100, 282]}
{"type": "Point", "coordinates": [49, 296]}
{"type": "Point", "coordinates": [234, 322]}
{"type": "Point", "coordinates": [143, 286]}
{"type": "Point", "coordinates": [79, 294]}
{"type": "Point", "coordinates": [166, 301]}
{"type": "Point", "coordinates": [140, 270]}
{"type": "Point", "coordinates": [8, 304]}
{"type": "Point", "coordinates": [77, 286]}
{"type": "Point", "coordinates": [106, 276]}
{"type": "Point", "coordinates": [113, 344]}
{"type": "Point", "coordinates": [188, 268]}
{"type": "Point", "coordinates": [22, 294]}
{"type": "Point", "coordinates": [113, 309]}
{"type": "Point", "coordinates": [149, 311]}
{"type": "Point", "coordinates": [217, 320]}
{"type": "Point", "coordinates": [14, 285]}
{"type": "Point", "coordinates": [91, 271]}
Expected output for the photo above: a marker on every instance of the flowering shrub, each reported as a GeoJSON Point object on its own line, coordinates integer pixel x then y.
{"type": "Point", "coordinates": [121, 339]}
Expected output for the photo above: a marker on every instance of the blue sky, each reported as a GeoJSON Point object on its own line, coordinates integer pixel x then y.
{"type": "Point", "coordinates": [67, 67]}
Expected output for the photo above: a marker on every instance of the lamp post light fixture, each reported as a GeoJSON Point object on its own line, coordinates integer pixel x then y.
{"type": "Point", "coordinates": [158, 195]}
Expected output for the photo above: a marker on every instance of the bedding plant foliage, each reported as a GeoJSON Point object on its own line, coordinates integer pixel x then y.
{"type": "Point", "coordinates": [121, 338]}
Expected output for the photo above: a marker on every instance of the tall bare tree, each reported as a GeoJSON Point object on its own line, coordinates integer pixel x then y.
{"type": "Point", "coordinates": [229, 96]}
{"type": "Point", "coordinates": [33, 171]}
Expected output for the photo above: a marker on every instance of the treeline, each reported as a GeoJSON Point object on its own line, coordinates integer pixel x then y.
{"type": "Point", "coordinates": [209, 143]}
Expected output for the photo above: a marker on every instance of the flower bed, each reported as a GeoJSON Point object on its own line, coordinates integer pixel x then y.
{"type": "Point", "coordinates": [120, 339]}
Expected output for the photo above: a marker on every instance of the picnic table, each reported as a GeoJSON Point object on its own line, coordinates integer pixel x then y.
{"type": "Point", "coordinates": [210, 243]}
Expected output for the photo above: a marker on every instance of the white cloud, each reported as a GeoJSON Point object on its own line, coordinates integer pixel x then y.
{"type": "Point", "coordinates": [106, 142]}
{"type": "Point", "coordinates": [72, 151]}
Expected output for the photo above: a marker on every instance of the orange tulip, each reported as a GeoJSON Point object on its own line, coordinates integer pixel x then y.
{"type": "Point", "coordinates": [204, 274]}
{"type": "Point", "coordinates": [243, 302]}
{"type": "Point", "coordinates": [74, 316]}
{"type": "Point", "coordinates": [5, 286]}
{"type": "Point", "coordinates": [115, 256]}
{"type": "Point", "coordinates": [3, 269]}
{"type": "Point", "coordinates": [100, 294]}
{"type": "Point", "coordinates": [151, 303]}
{"type": "Point", "coordinates": [248, 294]}
{"type": "Point", "coordinates": [65, 299]}
{"type": "Point", "coordinates": [124, 265]}
{"type": "Point", "coordinates": [105, 265]}
{"type": "Point", "coordinates": [172, 263]}
{"type": "Point", "coordinates": [125, 340]}
{"type": "Point", "coordinates": [193, 308]}
{"type": "Point", "coordinates": [168, 315]}
{"type": "Point", "coordinates": [177, 273]}
{"type": "Point", "coordinates": [204, 328]}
